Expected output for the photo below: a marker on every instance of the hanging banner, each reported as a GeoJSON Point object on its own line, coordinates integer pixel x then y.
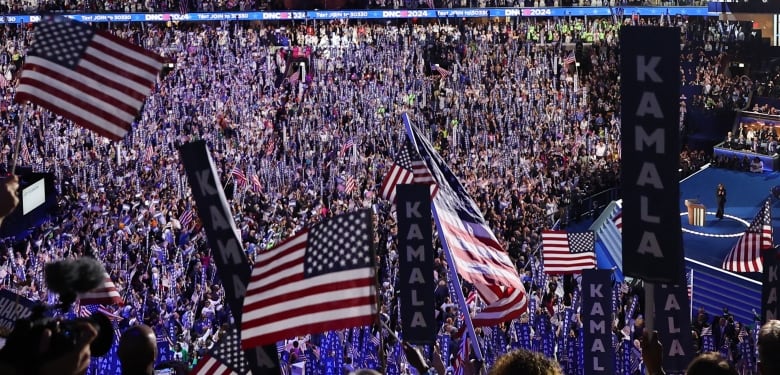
{"type": "Point", "coordinates": [650, 87]}
{"type": "Point", "coordinates": [415, 263]}
{"type": "Point", "coordinates": [673, 322]}
{"type": "Point", "coordinates": [228, 253]}
{"type": "Point", "coordinates": [770, 308]}
{"type": "Point", "coordinates": [597, 318]}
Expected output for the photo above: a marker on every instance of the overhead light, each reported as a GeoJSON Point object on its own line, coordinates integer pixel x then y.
{"type": "Point", "coordinates": [741, 65]}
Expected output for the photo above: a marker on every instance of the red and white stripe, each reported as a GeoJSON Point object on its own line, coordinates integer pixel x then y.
{"type": "Point", "coordinates": [105, 90]}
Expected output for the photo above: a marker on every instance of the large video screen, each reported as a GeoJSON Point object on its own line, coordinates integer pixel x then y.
{"type": "Point", "coordinates": [33, 196]}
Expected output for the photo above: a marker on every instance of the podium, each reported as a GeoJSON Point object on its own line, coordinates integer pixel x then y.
{"type": "Point", "coordinates": [696, 212]}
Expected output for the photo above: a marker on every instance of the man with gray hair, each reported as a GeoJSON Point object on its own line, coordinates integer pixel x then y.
{"type": "Point", "coordinates": [768, 348]}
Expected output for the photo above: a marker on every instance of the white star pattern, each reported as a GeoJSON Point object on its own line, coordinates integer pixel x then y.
{"type": "Point", "coordinates": [62, 42]}
{"type": "Point", "coordinates": [335, 245]}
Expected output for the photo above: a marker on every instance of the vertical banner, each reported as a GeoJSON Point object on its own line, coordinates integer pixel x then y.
{"type": "Point", "coordinates": [770, 308]}
{"type": "Point", "coordinates": [597, 322]}
{"type": "Point", "coordinates": [650, 86]}
{"type": "Point", "coordinates": [232, 264]}
{"type": "Point", "coordinates": [415, 263]}
{"type": "Point", "coordinates": [673, 323]}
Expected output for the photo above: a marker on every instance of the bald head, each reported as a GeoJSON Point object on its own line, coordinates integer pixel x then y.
{"type": "Point", "coordinates": [138, 350]}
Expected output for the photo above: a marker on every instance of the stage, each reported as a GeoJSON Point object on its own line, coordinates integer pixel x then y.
{"type": "Point", "coordinates": [746, 192]}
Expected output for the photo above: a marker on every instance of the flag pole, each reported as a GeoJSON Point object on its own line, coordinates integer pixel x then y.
{"type": "Point", "coordinates": [453, 274]}
{"type": "Point", "coordinates": [19, 129]}
{"type": "Point", "coordinates": [379, 325]}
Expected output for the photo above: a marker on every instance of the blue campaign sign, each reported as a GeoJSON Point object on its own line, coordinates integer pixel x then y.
{"type": "Point", "coordinates": [368, 14]}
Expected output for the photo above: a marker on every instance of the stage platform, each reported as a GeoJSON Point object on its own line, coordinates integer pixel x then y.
{"type": "Point", "coordinates": [745, 193]}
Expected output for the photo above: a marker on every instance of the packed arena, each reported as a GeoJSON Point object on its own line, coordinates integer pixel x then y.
{"type": "Point", "coordinates": [302, 120]}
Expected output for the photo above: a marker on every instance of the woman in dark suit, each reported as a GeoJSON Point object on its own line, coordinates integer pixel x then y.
{"type": "Point", "coordinates": [720, 194]}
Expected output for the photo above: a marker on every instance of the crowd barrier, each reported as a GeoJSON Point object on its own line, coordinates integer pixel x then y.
{"type": "Point", "coordinates": [371, 14]}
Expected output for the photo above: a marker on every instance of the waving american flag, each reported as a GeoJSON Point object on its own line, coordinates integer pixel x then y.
{"type": "Point", "coordinates": [478, 256]}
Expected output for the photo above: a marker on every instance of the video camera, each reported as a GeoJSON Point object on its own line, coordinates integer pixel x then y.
{"type": "Point", "coordinates": [68, 278]}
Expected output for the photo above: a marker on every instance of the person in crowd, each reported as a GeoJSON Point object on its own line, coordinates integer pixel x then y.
{"type": "Point", "coordinates": [523, 361]}
{"type": "Point", "coordinates": [769, 347]}
{"type": "Point", "coordinates": [138, 350]}
{"type": "Point", "coordinates": [710, 364]}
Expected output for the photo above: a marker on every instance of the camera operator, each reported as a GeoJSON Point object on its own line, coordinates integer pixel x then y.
{"type": "Point", "coordinates": [74, 362]}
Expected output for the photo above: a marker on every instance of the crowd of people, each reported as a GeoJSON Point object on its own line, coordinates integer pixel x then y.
{"type": "Point", "coordinates": [529, 135]}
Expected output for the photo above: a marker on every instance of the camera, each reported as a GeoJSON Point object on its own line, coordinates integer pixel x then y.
{"type": "Point", "coordinates": [68, 278]}
{"type": "Point", "coordinates": [22, 345]}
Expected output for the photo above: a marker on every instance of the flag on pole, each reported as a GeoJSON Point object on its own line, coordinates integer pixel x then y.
{"type": "Point", "coordinates": [26, 158]}
{"type": "Point", "coordinates": [476, 253]}
{"type": "Point", "coordinates": [240, 177]}
{"type": "Point", "coordinates": [745, 256]}
{"type": "Point", "coordinates": [570, 59]}
{"type": "Point", "coordinates": [256, 183]}
{"type": "Point", "coordinates": [408, 168]}
{"type": "Point", "coordinates": [462, 357]}
{"type": "Point", "coordinates": [90, 77]}
{"type": "Point", "coordinates": [225, 358]}
{"type": "Point", "coordinates": [346, 147]}
{"type": "Point", "coordinates": [186, 217]}
{"type": "Point", "coordinates": [322, 278]}
{"type": "Point", "coordinates": [105, 294]}
{"type": "Point", "coordinates": [443, 72]}
{"type": "Point", "coordinates": [565, 252]}
{"type": "Point", "coordinates": [351, 185]}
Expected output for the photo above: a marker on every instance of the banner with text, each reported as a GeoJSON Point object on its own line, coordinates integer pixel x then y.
{"type": "Point", "coordinates": [650, 87]}
{"type": "Point", "coordinates": [302, 15]}
{"type": "Point", "coordinates": [415, 263]}
{"type": "Point", "coordinates": [673, 323]}
{"type": "Point", "coordinates": [12, 308]}
{"type": "Point", "coordinates": [770, 308]}
{"type": "Point", "coordinates": [597, 318]}
{"type": "Point", "coordinates": [228, 253]}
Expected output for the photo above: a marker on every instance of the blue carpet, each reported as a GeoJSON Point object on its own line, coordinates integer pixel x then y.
{"type": "Point", "coordinates": [746, 192]}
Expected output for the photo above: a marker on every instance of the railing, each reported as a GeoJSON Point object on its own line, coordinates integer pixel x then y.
{"type": "Point", "coordinates": [589, 206]}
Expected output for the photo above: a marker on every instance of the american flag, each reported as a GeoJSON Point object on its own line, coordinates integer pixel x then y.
{"type": "Point", "coordinates": [351, 185]}
{"type": "Point", "coordinates": [346, 147]}
{"type": "Point", "coordinates": [183, 7]}
{"type": "Point", "coordinates": [106, 294]}
{"type": "Point", "coordinates": [256, 183]}
{"type": "Point", "coordinates": [565, 252]}
{"type": "Point", "coordinates": [443, 72]}
{"type": "Point", "coordinates": [569, 59]}
{"type": "Point", "coordinates": [295, 77]}
{"type": "Point", "coordinates": [618, 220]}
{"type": "Point", "coordinates": [90, 77]}
{"type": "Point", "coordinates": [459, 367]}
{"type": "Point", "coordinates": [745, 256]}
{"type": "Point", "coordinates": [226, 358]}
{"type": "Point", "coordinates": [320, 279]}
{"type": "Point", "coordinates": [186, 217]}
{"type": "Point", "coordinates": [240, 177]}
{"type": "Point", "coordinates": [149, 154]}
{"type": "Point", "coordinates": [408, 168]}
{"type": "Point", "coordinates": [26, 158]}
{"type": "Point", "coordinates": [478, 256]}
